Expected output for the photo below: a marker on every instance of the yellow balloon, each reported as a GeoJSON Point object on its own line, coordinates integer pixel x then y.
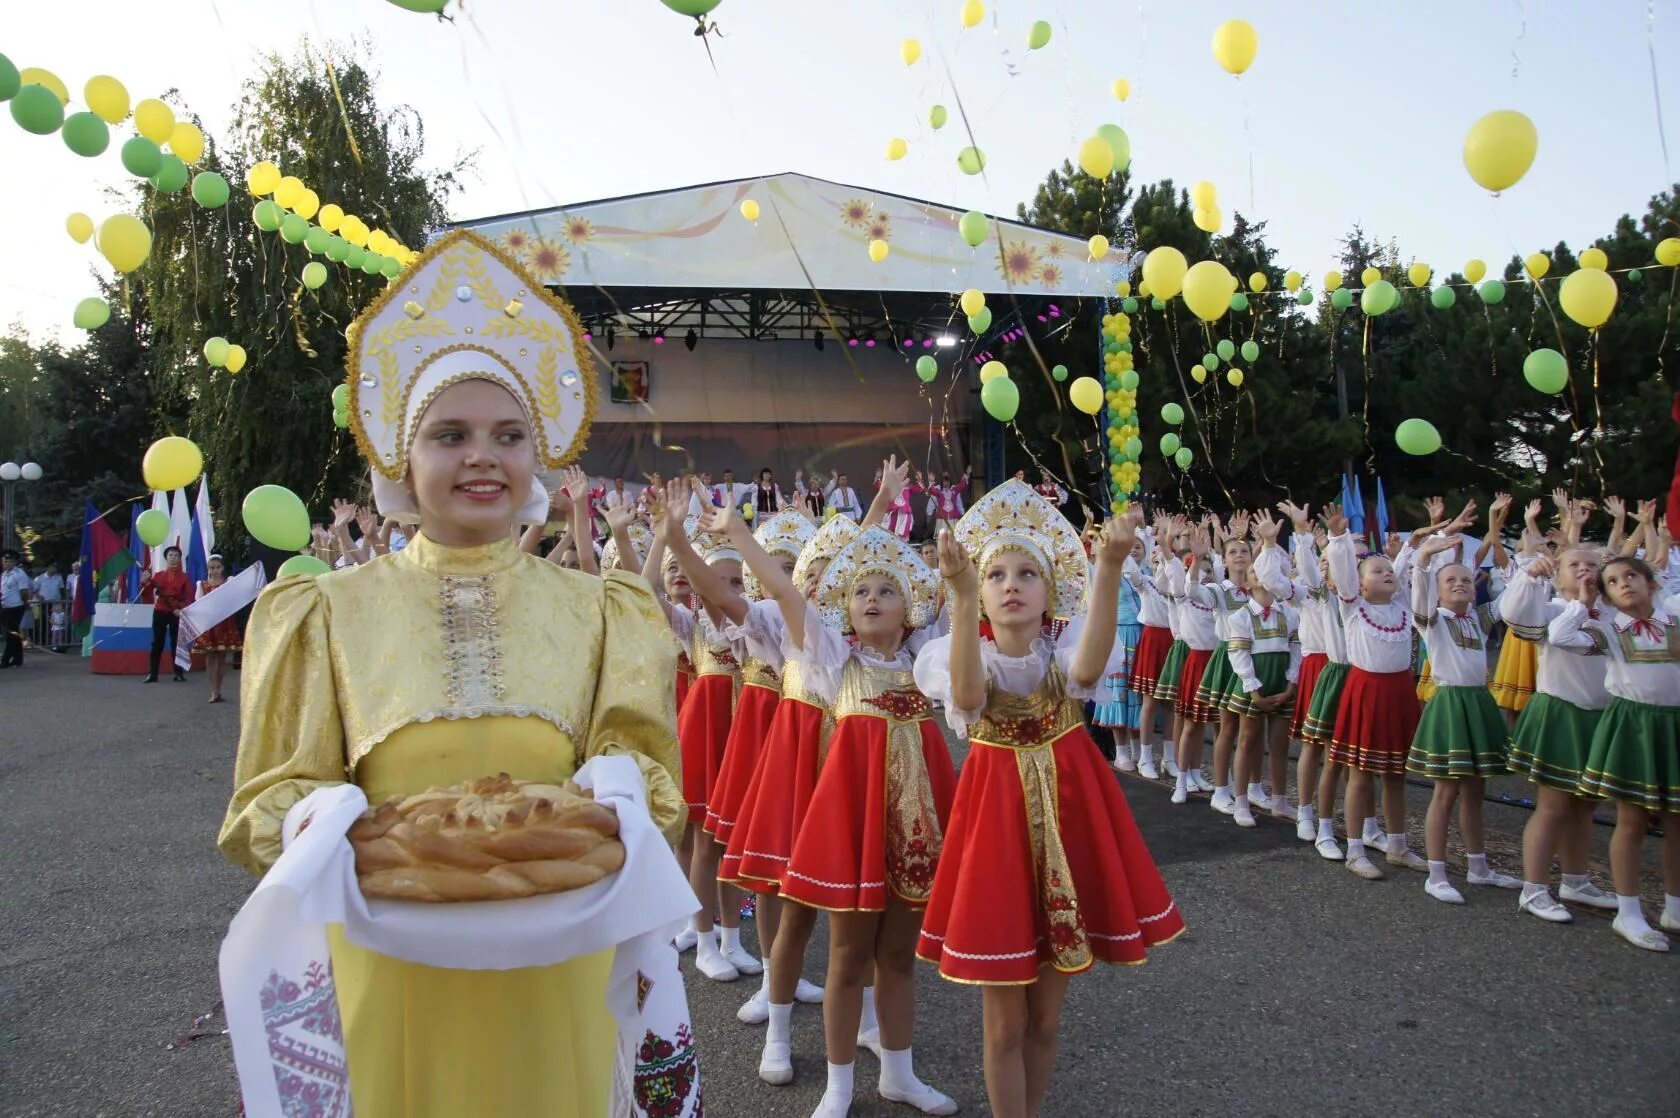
{"type": "Point", "coordinates": [172, 463]}
{"type": "Point", "coordinates": [991, 370]}
{"type": "Point", "coordinates": [80, 227]}
{"type": "Point", "coordinates": [1292, 280]}
{"type": "Point", "coordinates": [1500, 148]}
{"type": "Point", "coordinates": [1370, 276]}
{"type": "Point", "coordinates": [1096, 158]}
{"type": "Point", "coordinates": [1123, 288]}
{"type": "Point", "coordinates": [354, 230]}
{"type": "Point", "coordinates": [1198, 374]}
{"type": "Point", "coordinates": [34, 75]}
{"type": "Point", "coordinates": [1208, 220]}
{"type": "Point", "coordinates": [1163, 271]}
{"type": "Point", "coordinates": [107, 97]}
{"type": "Point", "coordinates": [1086, 395]}
{"type": "Point", "coordinates": [124, 240]}
{"type": "Point", "coordinates": [154, 120]}
{"type": "Point", "coordinates": [749, 210]}
{"type": "Point", "coordinates": [1234, 45]}
{"type": "Point", "coordinates": [1668, 251]}
{"type": "Point", "coordinates": [1537, 264]}
{"type": "Point", "coordinates": [262, 178]}
{"type": "Point", "coordinates": [878, 250]}
{"type": "Point", "coordinates": [1098, 246]}
{"type": "Point", "coordinates": [235, 358]}
{"type": "Point", "coordinates": [1257, 281]}
{"type": "Point", "coordinates": [1474, 271]}
{"type": "Point", "coordinates": [1332, 280]}
{"type": "Point", "coordinates": [1122, 89]}
{"type": "Point", "coordinates": [1143, 291]}
{"type": "Point", "coordinates": [308, 205]}
{"type": "Point", "coordinates": [897, 148]}
{"type": "Point", "coordinates": [910, 50]}
{"type": "Point", "coordinates": [186, 141]}
{"type": "Point", "coordinates": [1208, 287]}
{"type": "Point", "coordinates": [1419, 274]}
{"type": "Point", "coordinates": [376, 241]}
{"type": "Point", "coordinates": [288, 190]}
{"type": "Point", "coordinates": [1588, 297]}
{"type": "Point", "coordinates": [972, 301]}
{"type": "Point", "coordinates": [332, 214]}
{"type": "Point", "coordinates": [1594, 258]}
{"type": "Point", "coordinates": [1234, 378]}
{"type": "Point", "coordinates": [1204, 196]}
{"type": "Point", "coordinates": [973, 11]}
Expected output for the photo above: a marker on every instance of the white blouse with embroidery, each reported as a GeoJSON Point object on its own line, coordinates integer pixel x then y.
{"type": "Point", "coordinates": [1197, 627]}
{"type": "Point", "coordinates": [826, 652]}
{"type": "Point", "coordinates": [1379, 637]}
{"type": "Point", "coordinates": [1457, 642]}
{"type": "Point", "coordinates": [1263, 629]}
{"type": "Point", "coordinates": [762, 632]}
{"type": "Point", "coordinates": [1529, 609]}
{"type": "Point", "coordinates": [1018, 675]}
{"type": "Point", "coordinates": [1642, 657]}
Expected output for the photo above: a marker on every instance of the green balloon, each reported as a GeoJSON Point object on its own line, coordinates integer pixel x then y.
{"type": "Point", "coordinates": [973, 228]}
{"type": "Point", "coordinates": [1118, 143]}
{"type": "Point", "coordinates": [210, 190]}
{"type": "Point", "coordinates": [1184, 457]}
{"type": "Point", "coordinates": [1443, 297]}
{"type": "Point", "coordinates": [937, 116]}
{"type": "Point", "coordinates": [1129, 305]}
{"type": "Point", "coordinates": [293, 229]}
{"type": "Point", "coordinates": [216, 351]}
{"type": "Point", "coordinates": [337, 247]}
{"type": "Point", "coordinates": [91, 314]}
{"type": "Point", "coordinates": [1125, 347]}
{"type": "Point", "coordinates": [1156, 303]}
{"type": "Point", "coordinates": [1417, 436]}
{"type": "Point", "coordinates": [981, 321]}
{"type": "Point", "coordinates": [1239, 302]}
{"type": "Point", "coordinates": [1000, 398]}
{"type": "Point", "coordinates": [372, 262]}
{"type": "Point", "coordinates": [1304, 298]}
{"type": "Point", "coordinates": [1226, 349]}
{"type": "Point", "coordinates": [171, 175]}
{"type": "Point", "coordinates": [1133, 448]}
{"type": "Point", "coordinates": [1111, 346]}
{"type": "Point", "coordinates": [1060, 372]}
{"type": "Point", "coordinates": [1210, 362]}
{"type": "Point", "coordinates": [10, 80]}
{"type": "Point", "coordinates": [1379, 298]}
{"type": "Point", "coordinates": [314, 275]}
{"type": "Point", "coordinates": [1546, 371]}
{"type": "Point", "coordinates": [971, 161]}
{"type": "Point", "coordinates": [1038, 34]}
{"type": "Point", "coordinates": [267, 215]}
{"type": "Point", "coordinates": [1172, 413]}
{"type": "Point", "coordinates": [86, 134]}
{"type": "Point", "coordinates": [1251, 351]}
{"type": "Point", "coordinates": [1492, 292]}
{"type": "Point", "coordinates": [1341, 298]}
{"type": "Point", "coordinates": [685, 7]}
{"type": "Point", "coordinates": [927, 368]}
{"type": "Point", "coordinates": [1129, 379]}
{"type": "Point", "coordinates": [390, 267]}
{"type": "Point", "coordinates": [153, 527]}
{"type": "Point", "coordinates": [1634, 275]}
{"type": "Point", "coordinates": [37, 109]}
{"type": "Point", "coordinates": [303, 566]}
{"type": "Point", "coordinates": [355, 256]}
{"type": "Point", "coordinates": [341, 419]}
{"type": "Point", "coordinates": [315, 240]}
{"type": "Point", "coordinates": [1169, 444]}
{"type": "Point", "coordinates": [141, 157]}
{"type": "Point", "coordinates": [275, 517]}
{"type": "Point", "coordinates": [340, 396]}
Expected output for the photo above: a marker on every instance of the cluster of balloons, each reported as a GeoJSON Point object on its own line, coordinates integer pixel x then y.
{"type": "Point", "coordinates": [973, 304]}
{"type": "Point", "coordinates": [286, 208]}
{"type": "Point", "coordinates": [1107, 152]}
{"type": "Point", "coordinates": [1119, 391]}
{"type": "Point", "coordinates": [341, 406]}
{"type": "Point", "coordinates": [220, 354]}
{"type": "Point", "coordinates": [1204, 200]}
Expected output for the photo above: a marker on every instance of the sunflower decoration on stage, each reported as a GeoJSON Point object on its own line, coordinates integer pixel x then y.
{"type": "Point", "coordinates": [1019, 262]}
{"type": "Point", "coordinates": [878, 551]}
{"type": "Point", "coordinates": [1014, 517]}
{"type": "Point", "coordinates": [547, 259]}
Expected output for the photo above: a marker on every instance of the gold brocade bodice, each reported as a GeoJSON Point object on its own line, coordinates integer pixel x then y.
{"type": "Point", "coordinates": [1028, 721]}
{"type": "Point", "coordinates": [712, 661]}
{"type": "Point", "coordinates": [758, 673]}
{"type": "Point", "coordinates": [880, 692]}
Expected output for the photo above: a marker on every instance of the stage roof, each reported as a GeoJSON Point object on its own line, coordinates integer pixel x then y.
{"type": "Point", "coordinates": [809, 233]}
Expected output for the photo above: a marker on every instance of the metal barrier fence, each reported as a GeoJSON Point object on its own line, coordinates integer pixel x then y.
{"type": "Point", "coordinates": [45, 627]}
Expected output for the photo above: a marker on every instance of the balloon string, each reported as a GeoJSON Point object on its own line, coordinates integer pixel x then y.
{"type": "Point", "coordinates": [1248, 134]}
{"type": "Point", "coordinates": [1201, 430]}
{"type": "Point", "coordinates": [1365, 361]}
{"type": "Point", "coordinates": [1598, 417]}
{"type": "Point", "coordinates": [1656, 92]}
{"type": "Point", "coordinates": [1522, 32]}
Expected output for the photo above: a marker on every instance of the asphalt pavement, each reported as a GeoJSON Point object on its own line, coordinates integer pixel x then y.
{"type": "Point", "coordinates": [1298, 989]}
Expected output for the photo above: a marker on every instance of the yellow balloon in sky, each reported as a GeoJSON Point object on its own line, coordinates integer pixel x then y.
{"type": "Point", "coordinates": [262, 178]}
{"type": "Point", "coordinates": [186, 141]}
{"type": "Point", "coordinates": [34, 75]}
{"type": "Point", "coordinates": [1588, 297]}
{"type": "Point", "coordinates": [1332, 280]}
{"type": "Point", "coordinates": [972, 301]}
{"type": "Point", "coordinates": [107, 97]}
{"type": "Point", "coordinates": [897, 148]}
{"type": "Point", "coordinates": [1537, 264]}
{"type": "Point", "coordinates": [80, 227]}
{"type": "Point", "coordinates": [1096, 158]}
{"type": "Point", "coordinates": [749, 210]}
{"type": "Point", "coordinates": [1208, 287]}
{"type": "Point", "coordinates": [124, 240]}
{"type": "Point", "coordinates": [154, 120]}
{"type": "Point", "coordinates": [1203, 196]}
{"type": "Point", "coordinates": [332, 214]}
{"type": "Point", "coordinates": [1499, 149]}
{"type": "Point", "coordinates": [288, 190]}
{"type": "Point", "coordinates": [1474, 270]}
{"type": "Point", "coordinates": [308, 204]}
{"type": "Point", "coordinates": [1668, 251]}
{"type": "Point", "coordinates": [1419, 274]}
{"type": "Point", "coordinates": [991, 370]}
{"type": "Point", "coordinates": [878, 250]}
{"type": "Point", "coordinates": [1086, 395]}
{"type": "Point", "coordinates": [1122, 89]}
{"type": "Point", "coordinates": [1292, 280]}
{"type": "Point", "coordinates": [1163, 271]}
{"type": "Point", "coordinates": [1594, 258]}
{"type": "Point", "coordinates": [1208, 220]}
{"type": "Point", "coordinates": [1370, 275]}
{"type": "Point", "coordinates": [1098, 246]}
{"type": "Point", "coordinates": [1257, 281]}
{"type": "Point", "coordinates": [1234, 45]}
{"type": "Point", "coordinates": [910, 50]}
{"type": "Point", "coordinates": [973, 11]}
{"type": "Point", "coordinates": [354, 230]}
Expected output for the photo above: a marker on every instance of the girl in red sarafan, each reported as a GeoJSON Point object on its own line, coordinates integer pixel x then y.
{"type": "Point", "coordinates": [1044, 872]}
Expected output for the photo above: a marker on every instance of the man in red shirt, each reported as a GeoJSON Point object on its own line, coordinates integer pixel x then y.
{"type": "Point", "coordinates": [169, 591]}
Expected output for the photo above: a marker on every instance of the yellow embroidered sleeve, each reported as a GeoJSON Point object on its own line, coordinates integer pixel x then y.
{"type": "Point", "coordinates": [635, 700]}
{"type": "Point", "coordinates": [291, 741]}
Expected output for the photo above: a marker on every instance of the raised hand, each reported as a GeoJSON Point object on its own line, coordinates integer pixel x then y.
{"type": "Point", "coordinates": [1334, 520]}
{"type": "Point", "coordinates": [1465, 518]}
{"type": "Point", "coordinates": [1114, 542]}
{"type": "Point", "coordinates": [1615, 506]}
{"type": "Point", "coordinates": [1560, 501]}
{"type": "Point", "coordinates": [1499, 510]}
{"type": "Point", "coordinates": [1436, 507]}
{"type": "Point", "coordinates": [1645, 511]}
{"type": "Point", "coordinates": [723, 521]}
{"type": "Point", "coordinates": [1266, 529]}
{"type": "Point", "coordinates": [344, 513]}
{"type": "Point", "coordinates": [1543, 566]}
{"type": "Point", "coordinates": [1297, 514]}
{"type": "Point", "coordinates": [894, 476]}
{"type": "Point", "coordinates": [367, 522]}
{"type": "Point", "coordinates": [1392, 544]}
{"type": "Point", "coordinates": [575, 483]}
{"type": "Point", "coordinates": [955, 566]}
{"type": "Point", "coordinates": [1237, 526]}
{"type": "Point", "coordinates": [619, 517]}
{"type": "Point", "coordinates": [1531, 514]}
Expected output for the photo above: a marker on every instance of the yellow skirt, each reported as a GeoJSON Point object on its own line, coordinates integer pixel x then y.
{"type": "Point", "coordinates": [1513, 679]}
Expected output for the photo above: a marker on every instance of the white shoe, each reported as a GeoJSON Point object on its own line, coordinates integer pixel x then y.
{"type": "Point", "coordinates": [1172, 768]}
{"type": "Point", "coordinates": [1243, 816]}
{"type": "Point", "coordinates": [830, 1107]}
{"type": "Point", "coordinates": [1410, 859]}
{"type": "Point", "coordinates": [714, 966]}
{"type": "Point", "coordinates": [1123, 763]}
{"type": "Point", "coordinates": [922, 1097]}
{"type": "Point", "coordinates": [808, 992]}
{"type": "Point", "coordinates": [1148, 771]}
{"type": "Point", "coordinates": [1180, 796]}
{"type": "Point", "coordinates": [686, 939]}
{"type": "Point", "coordinates": [1202, 783]}
{"type": "Point", "coordinates": [1650, 939]}
{"type": "Point", "coordinates": [775, 1064]}
{"type": "Point", "coordinates": [755, 1010]}
{"type": "Point", "coordinates": [1443, 891]}
{"type": "Point", "coordinates": [1546, 908]}
{"type": "Point", "coordinates": [870, 1039]}
{"type": "Point", "coordinates": [1362, 866]}
{"type": "Point", "coordinates": [1280, 808]}
{"type": "Point", "coordinates": [1590, 895]}
{"type": "Point", "coordinates": [1305, 829]}
{"type": "Point", "coordinates": [1667, 924]}
{"type": "Point", "coordinates": [743, 962]}
{"type": "Point", "coordinates": [1495, 879]}
{"type": "Point", "coordinates": [1329, 849]}
{"type": "Point", "coordinates": [1223, 802]}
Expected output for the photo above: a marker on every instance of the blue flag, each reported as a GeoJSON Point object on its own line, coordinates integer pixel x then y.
{"type": "Point", "coordinates": [142, 554]}
{"type": "Point", "coordinates": [197, 562]}
{"type": "Point", "coordinates": [1356, 514]}
{"type": "Point", "coordinates": [1382, 515]}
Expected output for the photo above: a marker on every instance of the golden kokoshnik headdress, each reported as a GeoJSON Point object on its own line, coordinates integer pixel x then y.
{"type": "Point", "coordinates": [464, 311]}
{"type": "Point", "coordinates": [875, 550]}
{"type": "Point", "coordinates": [641, 538]}
{"type": "Point", "coordinates": [1014, 517]}
{"type": "Point", "coordinates": [712, 547]}
{"type": "Point", "coordinates": [836, 532]}
{"type": "Point", "coordinates": [785, 534]}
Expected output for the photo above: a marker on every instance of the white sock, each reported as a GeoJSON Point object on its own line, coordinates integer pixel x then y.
{"type": "Point", "coordinates": [1148, 754]}
{"type": "Point", "coordinates": [730, 939]}
{"type": "Point", "coordinates": [898, 1071]}
{"type": "Point", "coordinates": [764, 986]}
{"type": "Point", "coordinates": [1394, 844]}
{"type": "Point", "coordinates": [1256, 794]}
{"type": "Point", "coordinates": [1326, 830]}
{"type": "Point", "coordinates": [867, 1021]}
{"type": "Point", "coordinates": [1224, 790]}
{"type": "Point", "coordinates": [1532, 889]}
{"type": "Point", "coordinates": [1242, 803]}
{"type": "Point", "coordinates": [708, 941]}
{"type": "Point", "coordinates": [1478, 864]}
{"type": "Point", "coordinates": [1305, 814]}
{"type": "Point", "coordinates": [1576, 880]}
{"type": "Point", "coordinates": [839, 1083]}
{"type": "Point", "coordinates": [1671, 907]}
{"type": "Point", "coordinates": [1355, 849]}
{"type": "Point", "coordinates": [1627, 908]}
{"type": "Point", "coordinates": [1437, 873]}
{"type": "Point", "coordinates": [1373, 827]}
{"type": "Point", "coordinates": [781, 1023]}
{"type": "Point", "coordinates": [1181, 782]}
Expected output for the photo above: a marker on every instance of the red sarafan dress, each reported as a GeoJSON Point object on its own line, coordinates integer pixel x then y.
{"type": "Point", "coordinates": [1043, 864]}
{"type": "Point", "coordinates": [703, 725]}
{"type": "Point", "coordinates": [760, 633]}
{"type": "Point", "coordinates": [877, 817]}
{"type": "Point", "coordinates": [682, 631]}
{"type": "Point", "coordinates": [224, 636]}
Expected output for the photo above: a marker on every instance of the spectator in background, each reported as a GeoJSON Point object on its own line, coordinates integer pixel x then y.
{"type": "Point", "coordinates": [49, 586]}
{"type": "Point", "coordinates": [766, 496]}
{"type": "Point", "coordinates": [731, 492]}
{"type": "Point", "coordinates": [809, 495]}
{"type": "Point", "coordinates": [169, 591]}
{"type": "Point", "coordinates": [841, 496]}
{"type": "Point", "coordinates": [15, 592]}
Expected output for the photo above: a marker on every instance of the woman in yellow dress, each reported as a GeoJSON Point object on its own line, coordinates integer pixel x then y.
{"type": "Point", "coordinates": [457, 658]}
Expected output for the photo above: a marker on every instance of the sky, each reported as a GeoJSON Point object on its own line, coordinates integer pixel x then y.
{"type": "Point", "coordinates": [1353, 112]}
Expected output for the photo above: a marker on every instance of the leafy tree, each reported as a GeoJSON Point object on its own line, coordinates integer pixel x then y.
{"type": "Point", "coordinates": [1071, 201]}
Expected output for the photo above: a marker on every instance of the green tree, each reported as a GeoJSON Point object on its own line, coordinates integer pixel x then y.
{"type": "Point", "coordinates": [1070, 201]}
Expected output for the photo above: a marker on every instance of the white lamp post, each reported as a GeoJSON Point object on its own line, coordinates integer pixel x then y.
{"type": "Point", "coordinates": [10, 474]}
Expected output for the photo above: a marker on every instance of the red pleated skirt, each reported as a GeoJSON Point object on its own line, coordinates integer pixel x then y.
{"type": "Point", "coordinates": [1312, 666]}
{"type": "Point", "coordinates": [774, 805]}
{"type": "Point", "coordinates": [840, 855]}
{"type": "Point", "coordinates": [992, 920]}
{"type": "Point", "coordinates": [702, 732]}
{"type": "Point", "coordinates": [1151, 655]}
{"type": "Point", "coordinates": [1376, 721]}
{"type": "Point", "coordinates": [753, 713]}
{"type": "Point", "coordinates": [684, 682]}
{"type": "Point", "coordinates": [1189, 681]}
